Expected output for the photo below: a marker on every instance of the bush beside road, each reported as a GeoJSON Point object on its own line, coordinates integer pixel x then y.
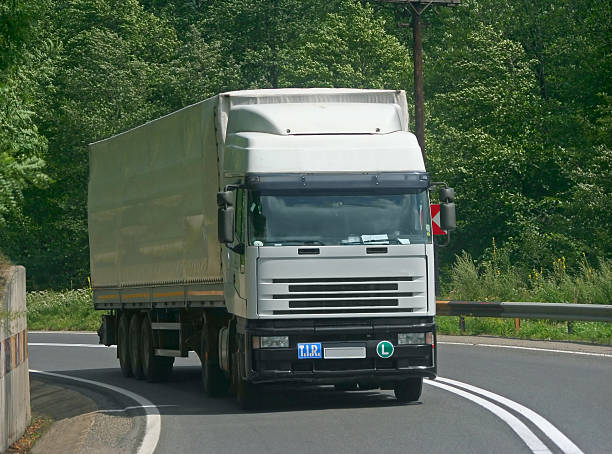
{"type": "Point", "coordinates": [68, 310]}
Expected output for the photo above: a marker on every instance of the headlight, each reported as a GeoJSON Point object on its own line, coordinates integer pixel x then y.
{"type": "Point", "coordinates": [270, 341]}
{"type": "Point", "coordinates": [411, 338]}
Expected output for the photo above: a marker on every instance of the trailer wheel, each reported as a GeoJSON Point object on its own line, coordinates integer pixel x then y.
{"type": "Point", "coordinates": [154, 368]}
{"type": "Point", "coordinates": [246, 394]}
{"type": "Point", "coordinates": [213, 379]}
{"type": "Point", "coordinates": [136, 346]}
{"type": "Point", "coordinates": [123, 345]}
{"type": "Point", "coordinates": [409, 390]}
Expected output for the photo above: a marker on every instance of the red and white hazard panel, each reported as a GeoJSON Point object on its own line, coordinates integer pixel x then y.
{"type": "Point", "coordinates": [435, 219]}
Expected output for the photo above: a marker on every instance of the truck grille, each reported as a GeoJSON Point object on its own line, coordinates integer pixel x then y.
{"type": "Point", "coordinates": [342, 295]}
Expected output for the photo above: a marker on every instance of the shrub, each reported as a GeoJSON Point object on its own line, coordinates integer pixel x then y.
{"type": "Point", "coordinates": [69, 310]}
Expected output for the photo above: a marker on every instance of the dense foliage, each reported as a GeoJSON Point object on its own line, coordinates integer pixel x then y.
{"type": "Point", "coordinates": [518, 97]}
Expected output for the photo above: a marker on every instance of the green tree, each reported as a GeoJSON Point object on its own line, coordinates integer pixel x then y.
{"type": "Point", "coordinates": [347, 48]}
{"type": "Point", "coordinates": [107, 58]}
{"type": "Point", "coordinates": [21, 145]}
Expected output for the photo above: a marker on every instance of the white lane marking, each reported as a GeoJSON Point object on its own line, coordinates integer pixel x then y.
{"type": "Point", "coordinates": [133, 407]}
{"type": "Point", "coordinates": [153, 418]}
{"type": "Point", "coordinates": [555, 435]}
{"type": "Point", "coordinates": [57, 344]}
{"type": "Point", "coordinates": [455, 343]}
{"type": "Point", "coordinates": [531, 440]}
{"type": "Point", "coordinates": [550, 350]}
{"type": "Point", "coordinates": [94, 333]}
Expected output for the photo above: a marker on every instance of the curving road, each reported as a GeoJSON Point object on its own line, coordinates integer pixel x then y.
{"type": "Point", "coordinates": [489, 399]}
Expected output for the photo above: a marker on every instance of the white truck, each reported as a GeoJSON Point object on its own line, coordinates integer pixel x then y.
{"type": "Point", "coordinates": [283, 235]}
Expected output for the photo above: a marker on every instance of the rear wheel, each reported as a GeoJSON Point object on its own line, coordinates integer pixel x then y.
{"type": "Point", "coordinates": [154, 368]}
{"type": "Point", "coordinates": [409, 390]}
{"type": "Point", "coordinates": [136, 346]}
{"type": "Point", "coordinates": [123, 345]}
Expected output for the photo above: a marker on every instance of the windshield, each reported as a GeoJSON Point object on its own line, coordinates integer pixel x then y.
{"type": "Point", "coordinates": [330, 219]}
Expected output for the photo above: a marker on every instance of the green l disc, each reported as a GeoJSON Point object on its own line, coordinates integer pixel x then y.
{"type": "Point", "coordinates": [384, 349]}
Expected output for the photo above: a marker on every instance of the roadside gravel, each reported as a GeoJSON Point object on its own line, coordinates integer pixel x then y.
{"type": "Point", "coordinates": [85, 421]}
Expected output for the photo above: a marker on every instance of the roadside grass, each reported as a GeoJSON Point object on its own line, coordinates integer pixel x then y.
{"type": "Point", "coordinates": [498, 280]}
{"type": "Point", "coordinates": [68, 310]}
{"type": "Point", "coordinates": [594, 332]}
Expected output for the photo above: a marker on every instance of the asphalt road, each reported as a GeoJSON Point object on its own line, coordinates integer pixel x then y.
{"type": "Point", "coordinates": [573, 393]}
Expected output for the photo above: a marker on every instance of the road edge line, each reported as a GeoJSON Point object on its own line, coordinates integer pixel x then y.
{"type": "Point", "coordinates": [555, 435]}
{"type": "Point", "coordinates": [56, 344]}
{"type": "Point", "coordinates": [518, 347]}
{"type": "Point", "coordinates": [152, 416]}
{"type": "Point", "coordinates": [532, 441]}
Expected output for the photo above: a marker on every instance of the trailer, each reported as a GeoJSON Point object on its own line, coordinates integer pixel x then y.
{"type": "Point", "coordinates": [283, 235]}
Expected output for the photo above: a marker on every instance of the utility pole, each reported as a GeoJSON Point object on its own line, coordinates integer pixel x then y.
{"type": "Point", "coordinates": [418, 7]}
{"type": "Point", "coordinates": [419, 95]}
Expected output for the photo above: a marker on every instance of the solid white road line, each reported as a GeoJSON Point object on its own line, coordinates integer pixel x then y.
{"type": "Point", "coordinates": [62, 332]}
{"type": "Point", "coordinates": [531, 440]}
{"type": "Point", "coordinates": [550, 350]}
{"type": "Point", "coordinates": [123, 410]}
{"type": "Point", "coordinates": [56, 344]}
{"type": "Point", "coordinates": [555, 435]}
{"type": "Point", "coordinates": [153, 418]}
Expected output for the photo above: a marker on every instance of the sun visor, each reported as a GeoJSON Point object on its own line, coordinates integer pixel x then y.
{"type": "Point", "coordinates": [347, 182]}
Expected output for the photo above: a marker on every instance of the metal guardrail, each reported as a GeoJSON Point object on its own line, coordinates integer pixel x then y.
{"type": "Point", "coordinates": [551, 311]}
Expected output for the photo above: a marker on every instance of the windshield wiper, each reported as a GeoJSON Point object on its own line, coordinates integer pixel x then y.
{"type": "Point", "coordinates": [385, 241]}
{"type": "Point", "coordinates": [306, 242]}
{"type": "Point", "coordinates": [366, 242]}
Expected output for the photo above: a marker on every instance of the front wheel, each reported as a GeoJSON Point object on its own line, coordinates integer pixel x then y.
{"type": "Point", "coordinates": [213, 379]}
{"type": "Point", "coordinates": [409, 390]}
{"type": "Point", "coordinates": [246, 393]}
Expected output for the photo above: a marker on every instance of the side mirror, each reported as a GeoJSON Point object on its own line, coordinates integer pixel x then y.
{"type": "Point", "coordinates": [225, 198]}
{"type": "Point", "coordinates": [447, 195]}
{"type": "Point", "coordinates": [226, 224]}
{"type": "Point", "coordinates": [448, 220]}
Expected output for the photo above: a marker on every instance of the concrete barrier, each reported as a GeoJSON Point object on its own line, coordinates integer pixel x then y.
{"type": "Point", "coordinates": [14, 377]}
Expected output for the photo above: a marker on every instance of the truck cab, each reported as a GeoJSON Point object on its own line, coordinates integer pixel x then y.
{"type": "Point", "coordinates": [329, 255]}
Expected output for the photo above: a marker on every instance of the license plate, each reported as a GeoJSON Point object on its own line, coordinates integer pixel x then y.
{"type": "Point", "coordinates": [310, 350]}
{"type": "Point", "coordinates": [344, 352]}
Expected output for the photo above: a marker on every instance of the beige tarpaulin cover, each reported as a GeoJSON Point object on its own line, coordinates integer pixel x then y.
{"type": "Point", "coordinates": [152, 202]}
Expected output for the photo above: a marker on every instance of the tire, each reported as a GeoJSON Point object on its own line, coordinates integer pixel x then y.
{"type": "Point", "coordinates": [123, 345]}
{"type": "Point", "coordinates": [213, 379]}
{"type": "Point", "coordinates": [136, 346]}
{"type": "Point", "coordinates": [246, 393]}
{"type": "Point", "coordinates": [409, 390]}
{"type": "Point", "coordinates": [154, 368]}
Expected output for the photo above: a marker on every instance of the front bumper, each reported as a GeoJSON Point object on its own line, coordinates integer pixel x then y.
{"type": "Point", "coordinates": [272, 365]}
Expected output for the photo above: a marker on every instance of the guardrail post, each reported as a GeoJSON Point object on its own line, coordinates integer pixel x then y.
{"type": "Point", "coordinates": [570, 327]}
{"type": "Point", "coordinates": [462, 324]}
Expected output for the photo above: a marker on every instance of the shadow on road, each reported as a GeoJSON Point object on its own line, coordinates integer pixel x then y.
{"type": "Point", "coordinates": [183, 394]}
